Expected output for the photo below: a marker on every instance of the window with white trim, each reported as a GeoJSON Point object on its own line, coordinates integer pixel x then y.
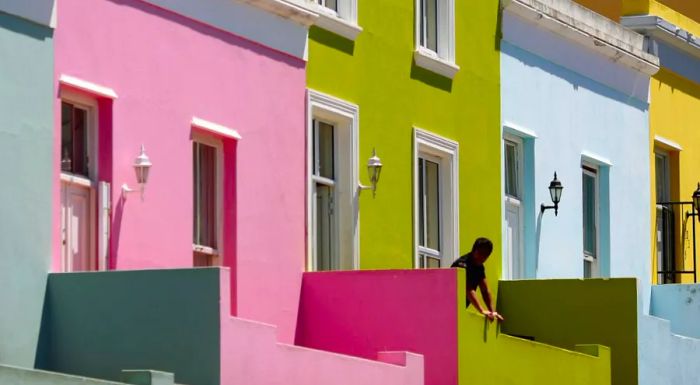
{"type": "Point", "coordinates": [513, 248]}
{"type": "Point", "coordinates": [436, 200]}
{"type": "Point", "coordinates": [332, 185]}
{"type": "Point", "coordinates": [591, 199]}
{"type": "Point", "coordinates": [207, 187]}
{"type": "Point", "coordinates": [435, 36]}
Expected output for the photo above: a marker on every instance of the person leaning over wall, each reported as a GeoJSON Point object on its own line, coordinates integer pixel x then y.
{"type": "Point", "coordinates": [473, 264]}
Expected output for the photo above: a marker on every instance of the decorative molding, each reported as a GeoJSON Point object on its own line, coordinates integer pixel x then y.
{"type": "Point", "coordinates": [87, 86]}
{"type": "Point", "coordinates": [215, 128]}
{"type": "Point", "coordinates": [445, 145]}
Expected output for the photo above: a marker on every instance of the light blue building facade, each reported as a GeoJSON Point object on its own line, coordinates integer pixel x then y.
{"type": "Point", "coordinates": [575, 101]}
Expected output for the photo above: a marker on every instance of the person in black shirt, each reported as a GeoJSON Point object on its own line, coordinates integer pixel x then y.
{"type": "Point", "coordinates": [473, 264]}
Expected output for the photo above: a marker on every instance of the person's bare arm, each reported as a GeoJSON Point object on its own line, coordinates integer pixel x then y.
{"type": "Point", "coordinates": [475, 301]}
{"type": "Point", "coordinates": [488, 299]}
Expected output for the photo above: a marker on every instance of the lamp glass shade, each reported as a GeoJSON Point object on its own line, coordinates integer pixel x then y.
{"type": "Point", "coordinates": [142, 165]}
{"type": "Point", "coordinates": [696, 198]}
{"type": "Point", "coordinates": [555, 189]}
{"type": "Point", "coordinates": [374, 168]}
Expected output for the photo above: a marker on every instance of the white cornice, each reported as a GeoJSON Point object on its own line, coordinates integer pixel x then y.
{"type": "Point", "coordinates": [580, 24]}
{"type": "Point", "coordinates": [666, 31]}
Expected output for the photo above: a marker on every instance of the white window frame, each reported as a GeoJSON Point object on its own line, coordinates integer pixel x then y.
{"type": "Point", "coordinates": [345, 117]}
{"type": "Point", "coordinates": [97, 242]}
{"type": "Point", "coordinates": [343, 22]}
{"type": "Point", "coordinates": [595, 261]}
{"type": "Point", "coordinates": [518, 202]}
{"type": "Point", "coordinates": [215, 254]}
{"type": "Point", "coordinates": [447, 151]}
{"type": "Point", "coordinates": [442, 61]}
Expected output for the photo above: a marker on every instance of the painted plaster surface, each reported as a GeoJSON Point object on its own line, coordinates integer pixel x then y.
{"type": "Point", "coordinates": [96, 324]}
{"type": "Point", "coordinates": [576, 313]}
{"type": "Point", "coordinates": [42, 12]}
{"type": "Point", "coordinates": [16, 375]}
{"type": "Point", "coordinates": [680, 304]}
{"type": "Point", "coordinates": [167, 69]}
{"type": "Point", "coordinates": [377, 73]}
{"type": "Point", "coordinates": [26, 139]}
{"type": "Point", "coordinates": [250, 354]}
{"type": "Point", "coordinates": [423, 311]}
{"type": "Point", "coordinates": [665, 357]}
{"type": "Point", "coordinates": [578, 118]}
{"type": "Point", "coordinates": [244, 20]}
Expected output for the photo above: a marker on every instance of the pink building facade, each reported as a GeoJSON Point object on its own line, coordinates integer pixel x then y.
{"type": "Point", "coordinates": [131, 73]}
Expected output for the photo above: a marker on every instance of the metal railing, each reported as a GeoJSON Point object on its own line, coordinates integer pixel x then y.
{"type": "Point", "coordinates": [668, 215]}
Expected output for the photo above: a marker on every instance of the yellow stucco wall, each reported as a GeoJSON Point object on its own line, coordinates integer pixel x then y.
{"type": "Point", "coordinates": [674, 115]}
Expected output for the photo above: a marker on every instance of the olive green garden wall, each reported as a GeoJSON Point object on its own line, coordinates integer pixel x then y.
{"type": "Point", "coordinates": [567, 312]}
{"type": "Point", "coordinates": [377, 73]}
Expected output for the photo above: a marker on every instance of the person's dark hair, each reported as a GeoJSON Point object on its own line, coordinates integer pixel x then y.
{"type": "Point", "coordinates": [484, 245]}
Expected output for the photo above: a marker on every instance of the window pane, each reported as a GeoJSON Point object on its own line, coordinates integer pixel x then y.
{"type": "Point", "coordinates": [74, 140]}
{"type": "Point", "coordinates": [429, 24]}
{"type": "Point", "coordinates": [325, 145]}
{"type": "Point", "coordinates": [332, 4]}
{"type": "Point", "coordinates": [205, 185]}
{"type": "Point", "coordinates": [589, 214]}
{"type": "Point", "coordinates": [662, 188]}
{"type": "Point", "coordinates": [511, 169]}
{"type": "Point", "coordinates": [66, 137]}
{"type": "Point", "coordinates": [324, 228]}
{"type": "Point", "coordinates": [587, 269]}
{"type": "Point", "coordinates": [432, 205]}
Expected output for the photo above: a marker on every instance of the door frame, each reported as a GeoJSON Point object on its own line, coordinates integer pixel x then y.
{"type": "Point", "coordinates": [345, 117]}
{"type": "Point", "coordinates": [507, 200]}
{"type": "Point", "coordinates": [90, 105]}
{"type": "Point", "coordinates": [447, 150]}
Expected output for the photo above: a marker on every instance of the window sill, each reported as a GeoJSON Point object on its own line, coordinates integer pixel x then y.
{"type": "Point", "coordinates": [206, 250]}
{"type": "Point", "coordinates": [429, 60]}
{"type": "Point", "coordinates": [330, 21]}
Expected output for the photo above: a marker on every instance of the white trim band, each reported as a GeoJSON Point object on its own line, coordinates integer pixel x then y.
{"type": "Point", "coordinates": [595, 159]}
{"type": "Point", "coordinates": [215, 128]}
{"type": "Point", "coordinates": [87, 86]}
{"type": "Point", "coordinates": [668, 143]}
{"type": "Point", "coordinates": [517, 130]}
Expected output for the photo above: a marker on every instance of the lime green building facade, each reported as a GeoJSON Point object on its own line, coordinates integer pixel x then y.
{"type": "Point", "coordinates": [378, 73]}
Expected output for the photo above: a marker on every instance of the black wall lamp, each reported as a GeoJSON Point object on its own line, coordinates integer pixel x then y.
{"type": "Point", "coordinates": [555, 189]}
{"type": "Point", "coordinates": [696, 201]}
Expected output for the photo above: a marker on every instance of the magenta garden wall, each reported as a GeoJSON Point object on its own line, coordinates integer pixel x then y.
{"type": "Point", "coordinates": [166, 69]}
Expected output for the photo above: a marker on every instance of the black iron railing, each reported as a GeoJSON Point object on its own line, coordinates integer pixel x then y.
{"type": "Point", "coordinates": [673, 217]}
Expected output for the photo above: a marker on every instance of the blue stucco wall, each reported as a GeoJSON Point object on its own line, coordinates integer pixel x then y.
{"type": "Point", "coordinates": [679, 304]}
{"type": "Point", "coordinates": [576, 115]}
{"type": "Point", "coordinates": [26, 148]}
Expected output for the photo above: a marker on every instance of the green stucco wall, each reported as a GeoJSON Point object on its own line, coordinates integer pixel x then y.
{"type": "Point", "coordinates": [377, 73]}
{"type": "Point", "coordinates": [96, 324]}
{"type": "Point", "coordinates": [488, 356]}
{"type": "Point", "coordinates": [26, 140]}
{"type": "Point", "coordinates": [569, 312]}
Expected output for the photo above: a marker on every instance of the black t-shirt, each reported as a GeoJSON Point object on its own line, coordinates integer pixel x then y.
{"type": "Point", "coordinates": [475, 272]}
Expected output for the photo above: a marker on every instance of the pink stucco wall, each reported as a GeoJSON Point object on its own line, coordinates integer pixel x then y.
{"type": "Point", "coordinates": [252, 355]}
{"type": "Point", "coordinates": [363, 312]}
{"type": "Point", "coordinates": [166, 69]}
